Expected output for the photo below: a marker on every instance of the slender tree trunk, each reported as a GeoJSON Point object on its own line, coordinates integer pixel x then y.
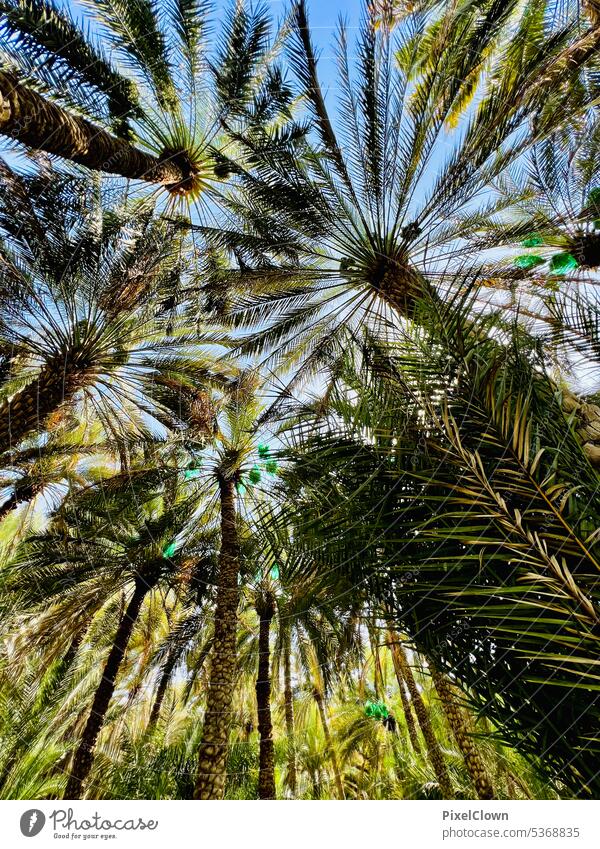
{"type": "Point", "coordinates": [166, 677]}
{"type": "Point", "coordinates": [23, 494]}
{"type": "Point", "coordinates": [406, 707]}
{"type": "Point", "coordinates": [318, 696]}
{"type": "Point", "coordinates": [161, 690]}
{"type": "Point", "coordinates": [84, 755]}
{"type": "Point", "coordinates": [266, 775]}
{"type": "Point", "coordinates": [434, 752]}
{"type": "Point", "coordinates": [289, 709]}
{"type": "Point", "coordinates": [213, 749]}
{"type": "Point", "coordinates": [458, 724]}
{"type": "Point", "coordinates": [43, 125]}
{"type": "Point", "coordinates": [29, 409]}
{"type": "Point", "coordinates": [377, 670]}
{"type": "Point", "coordinates": [71, 653]}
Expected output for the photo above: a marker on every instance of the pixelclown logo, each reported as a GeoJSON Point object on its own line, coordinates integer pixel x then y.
{"type": "Point", "coordinates": [32, 822]}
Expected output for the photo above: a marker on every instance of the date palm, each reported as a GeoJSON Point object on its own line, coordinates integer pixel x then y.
{"type": "Point", "coordinates": [458, 721]}
{"type": "Point", "coordinates": [378, 205]}
{"type": "Point", "coordinates": [404, 672]}
{"type": "Point", "coordinates": [79, 315]}
{"type": "Point", "coordinates": [234, 445]}
{"type": "Point", "coordinates": [150, 107]}
{"type": "Point", "coordinates": [477, 540]}
{"type": "Point", "coordinates": [97, 553]}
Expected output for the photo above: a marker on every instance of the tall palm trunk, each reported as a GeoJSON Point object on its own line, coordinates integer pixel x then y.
{"type": "Point", "coordinates": [166, 677]}
{"type": "Point", "coordinates": [458, 723]}
{"type": "Point", "coordinates": [161, 690]}
{"type": "Point", "coordinates": [408, 714]}
{"type": "Point", "coordinates": [434, 752]}
{"type": "Point", "coordinates": [29, 408]}
{"type": "Point", "coordinates": [71, 653]}
{"type": "Point", "coordinates": [43, 125]}
{"type": "Point", "coordinates": [289, 708]}
{"type": "Point", "coordinates": [84, 755]}
{"type": "Point", "coordinates": [212, 757]}
{"type": "Point", "coordinates": [266, 776]}
{"type": "Point", "coordinates": [318, 696]}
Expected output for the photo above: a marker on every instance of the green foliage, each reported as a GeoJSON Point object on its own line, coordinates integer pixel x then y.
{"type": "Point", "coordinates": [408, 452]}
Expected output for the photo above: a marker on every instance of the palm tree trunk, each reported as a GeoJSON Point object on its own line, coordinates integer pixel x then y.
{"type": "Point", "coordinates": [289, 709]}
{"type": "Point", "coordinates": [71, 653]}
{"type": "Point", "coordinates": [166, 677]}
{"type": "Point", "coordinates": [29, 409]}
{"type": "Point", "coordinates": [408, 714]}
{"type": "Point", "coordinates": [434, 752]}
{"type": "Point", "coordinates": [39, 123]}
{"type": "Point", "coordinates": [266, 775]}
{"type": "Point", "coordinates": [9, 505]}
{"type": "Point", "coordinates": [318, 696]}
{"type": "Point", "coordinates": [457, 722]}
{"type": "Point", "coordinates": [84, 756]}
{"type": "Point", "coordinates": [212, 757]}
{"type": "Point", "coordinates": [161, 690]}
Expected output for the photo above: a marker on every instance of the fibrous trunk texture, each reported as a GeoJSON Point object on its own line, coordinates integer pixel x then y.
{"type": "Point", "coordinates": [30, 408]}
{"type": "Point", "coordinates": [318, 696]}
{"type": "Point", "coordinates": [592, 10]}
{"type": "Point", "coordinates": [459, 725]}
{"type": "Point", "coordinates": [31, 119]}
{"type": "Point", "coordinates": [84, 755]}
{"type": "Point", "coordinates": [406, 707]}
{"type": "Point", "coordinates": [212, 758]}
{"type": "Point", "coordinates": [434, 752]}
{"type": "Point", "coordinates": [587, 424]}
{"type": "Point", "coordinates": [289, 711]}
{"type": "Point", "coordinates": [266, 775]}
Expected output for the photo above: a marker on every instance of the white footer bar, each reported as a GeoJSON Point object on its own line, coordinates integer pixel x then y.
{"type": "Point", "coordinates": [301, 825]}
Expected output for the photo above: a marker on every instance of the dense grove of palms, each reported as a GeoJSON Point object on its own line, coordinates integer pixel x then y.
{"type": "Point", "coordinates": [299, 442]}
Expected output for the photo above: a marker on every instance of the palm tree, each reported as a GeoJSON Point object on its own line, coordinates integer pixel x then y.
{"type": "Point", "coordinates": [468, 465]}
{"type": "Point", "coordinates": [458, 723]}
{"type": "Point", "coordinates": [265, 609]}
{"type": "Point", "coordinates": [434, 752]}
{"type": "Point", "coordinates": [213, 750]}
{"type": "Point", "coordinates": [117, 550]}
{"type": "Point", "coordinates": [407, 710]}
{"type": "Point", "coordinates": [319, 697]}
{"type": "Point", "coordinates": [81, 322]}
{"type": "Point", "coordinates": [33, 473]}
{"type": "Point", "coordinates": [377, 207]}
{"type": "Point", "coordinates": [184, 636]}
{"type": "Point", "coordinates": [288, 697]}
{"type": "Point", "coordinates": [559, 252]}
{"type": "Point", "coordinates": [235, 446]}
{"type": "Point", "coordinates": [322, 635]}
{"type": "Point", "coordinates": [151, 111]}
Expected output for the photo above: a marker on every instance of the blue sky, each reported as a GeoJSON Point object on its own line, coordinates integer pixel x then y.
{"type": "Point", "coordinates": [323, 18]}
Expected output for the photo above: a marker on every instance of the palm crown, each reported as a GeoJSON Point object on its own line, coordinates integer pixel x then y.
{"type": "Point", "coordinates": [377, 206]}
{"type": "Point", "coordinates": [162, 91]}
